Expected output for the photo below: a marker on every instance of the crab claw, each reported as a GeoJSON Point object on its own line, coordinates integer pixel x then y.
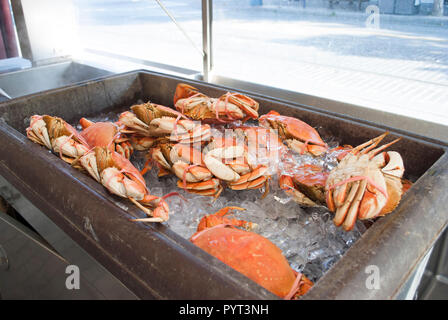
{"type": "Point", "coordinates": [245, 103]}
{"type": "Point", "coordinates": [219, 217]}
{"type": "Point", "coordinates": [287, 184]}
{"type": "Point", "coordinates": [133, 123]}
{"type": "Point", "coordinates": [159, 214]}
{"type": "Point", "coordinates": [391, 163]}
{"type": "Point", "coordinates": [210, 187]}
{"type": "Point", "coordinates": [191, 173]}
{"type": "Point", "coordinates": [252, 180]}
{"type": "Point", "coordinates": [184, 91]}
{"type": "Point", "coordinates": [142, 143]}
{"type": "Point", "coordinates": [120, 185]}
{"type": "Point", "coordinates": [213, 161]}
{"type": "Point", "coordinates": [85, 123]}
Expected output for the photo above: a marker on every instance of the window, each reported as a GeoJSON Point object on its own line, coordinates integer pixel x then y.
{"type": "Point", "coordinates": [383, 55]}
{"type": "Point", "coordinates": [379, 59]}
{"type": "Point", "coordinates": [142, 29]}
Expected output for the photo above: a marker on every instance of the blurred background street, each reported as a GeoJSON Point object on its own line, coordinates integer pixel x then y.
{"type": "Point", "coordinates": [400, 67]}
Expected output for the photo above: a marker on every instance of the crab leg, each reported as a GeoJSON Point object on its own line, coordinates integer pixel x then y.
{"type": "Point", "coordinates": [220, 169]}
{"type": "Point", "coordinates": [199, 186]}
{"type": "Point", "coordinates": [146, 167]}
{"type": "Point", "coordinates": [374, 152]}
{"type": "Point", "coordinates": [151, 218]}
{"type": "Point", "coordinates": [372, 143]}
{"type": "Point", "coordinates": [219, 218]}
{"type": "Point", "coordinates": [160, 213]}
{"type": "Point", "coordinates": [251, 180]}
{"type": "Point", "coordinates": [252, 184]}
{"type": "Point", "coordinates": [353, 211]}
{"type": "Point", "coordinates": [184, 175]}
{"type": "Point", "coordinates": [295, 287]}
{"type": "Point", "coordinates": [342, 211]}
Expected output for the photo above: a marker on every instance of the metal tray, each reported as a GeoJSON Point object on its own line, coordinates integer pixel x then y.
{"type": "Point", "coordinates": [32, 80]}
{"type": "Point", "coordinates": [155, 262]}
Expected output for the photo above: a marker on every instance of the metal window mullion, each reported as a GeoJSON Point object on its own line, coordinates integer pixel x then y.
{"type": "Point", "coordinates": [210, 26]}
{"type": "Point", "coordinates": [207, 38]}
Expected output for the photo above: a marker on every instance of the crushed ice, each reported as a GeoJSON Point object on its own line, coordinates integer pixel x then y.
{"type": "Point", "coordinates": [307, 236]}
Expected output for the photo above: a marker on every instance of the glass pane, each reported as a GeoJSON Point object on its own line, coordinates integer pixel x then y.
{"type": "Point", "coordinates": [141, 29]}
{"type": "Point", "coordinates": [392, 56]}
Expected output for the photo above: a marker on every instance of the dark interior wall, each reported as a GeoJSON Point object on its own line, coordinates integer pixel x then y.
{"type": "Point", "coordinates": [8, 43]}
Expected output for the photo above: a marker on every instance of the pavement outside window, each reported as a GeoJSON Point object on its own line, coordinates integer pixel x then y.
{"type": "Point", "coordinates": [400, 67]}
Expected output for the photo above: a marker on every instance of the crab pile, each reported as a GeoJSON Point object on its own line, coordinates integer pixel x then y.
{"type": "Point", "coordinates": [95, 152]}
{"type": "Point", "coordinates": [211, 145]}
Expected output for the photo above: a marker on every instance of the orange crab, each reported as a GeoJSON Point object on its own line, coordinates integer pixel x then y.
{"type": "Point", "coordinates": [186, 163]}
{"type": "Point", "coordinates": [263, 145]}
{"type": "Point", "coordinates": [157, 121]}
{"type": "Point", "coordinates": [227, 108]}
{"type": "Point", "coordinates": [120, 177]}
{"type": "Point", "coordinates": [106, 134]}
{"type": "Point", "coordinates": [227, 159]}
{"type": "Point", "coordinates": [298, 135]}
{"type": "Point", "coordinates": [367, 183]}
{"type": "Point", "coordinates": [57, 135]}
{"type": "Point", "coordinates": [251, 254]}
{"type": "Point", "coordinates": [306, 182]}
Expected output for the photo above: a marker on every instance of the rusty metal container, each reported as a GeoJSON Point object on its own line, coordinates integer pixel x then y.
{"type": "Point", "coordinates": [155, 262]}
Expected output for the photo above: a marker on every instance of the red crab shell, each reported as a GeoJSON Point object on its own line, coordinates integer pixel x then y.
{"type": "Point", "coordinates": [293, 128]}
{"type": "Point", "coordinates": [99, 134]}
{"type": "Point", "coordinates": [252, 255]}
